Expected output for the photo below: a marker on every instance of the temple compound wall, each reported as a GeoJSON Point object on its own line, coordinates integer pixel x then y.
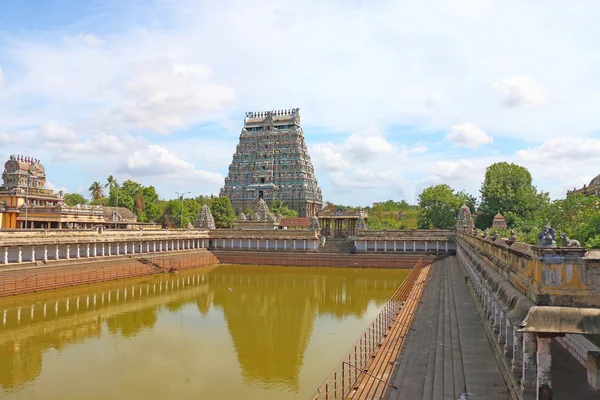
{"type": "Point", "coordinates": [530, 296]}
{"type": "Point", "coordinates": [272, 162]}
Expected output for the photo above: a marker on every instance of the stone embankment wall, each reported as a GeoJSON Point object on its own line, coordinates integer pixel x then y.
{"type": "Point", "coordinates": [271, 240]}
{"type": "Point", "coordinates": [24, 279]}
{"type": "Point", "coordinates": [317, 260]}
{"type": "Point", "coordinates": [406, 241]}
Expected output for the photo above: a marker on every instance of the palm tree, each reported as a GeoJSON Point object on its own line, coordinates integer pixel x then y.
{"type": "Point", "coordinates": [96, 191]}
{"type": "Point", "coordinates": [111, 182]}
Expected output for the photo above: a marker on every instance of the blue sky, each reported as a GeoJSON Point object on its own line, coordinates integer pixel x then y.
{"type": "Point", "coordinates": [394, 95]}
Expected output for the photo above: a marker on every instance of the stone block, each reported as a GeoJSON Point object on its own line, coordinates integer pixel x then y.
{"type": "Point", "coordinates": [593, 369]}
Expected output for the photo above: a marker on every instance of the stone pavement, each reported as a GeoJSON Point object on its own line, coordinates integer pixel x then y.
{"type": "Point", "coordinates": [448, 355]}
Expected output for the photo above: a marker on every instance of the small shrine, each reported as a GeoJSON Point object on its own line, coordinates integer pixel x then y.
{"type": "Point", "coordinates": [260, 219]}
{"type": "Point", "coordinates": [464, 221]}
{"type": "Point", "coordinates": [204, 219]}
{"type": "Point", "coordinates": [499, 222]}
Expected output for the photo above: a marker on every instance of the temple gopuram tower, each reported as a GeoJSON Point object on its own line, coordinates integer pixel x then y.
{"type": "Point", "coordinates": [271, 162]}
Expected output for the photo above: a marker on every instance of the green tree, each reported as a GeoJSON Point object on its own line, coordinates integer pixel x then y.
{"type": "Point", "coordinates": [222, 212]}
{"type": "Point", "coordinates": [278, 208]}
{"type": "Point", "coordinates": [507, 188]}
{"type": "Point", "coordinates": [96, 190]}
{"type": "Point", "coordinates": [118, 197]}
{"type": "Point", "coordinates": [111, 182]}
{"type": "Point", "coordinates": [72, 199]}
{"type": "Point", "coordinates": [439, 207]}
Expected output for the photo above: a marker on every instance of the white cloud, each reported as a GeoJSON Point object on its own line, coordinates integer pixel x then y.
{"type": "Point", "coordinates": [7, 138]}
{"type": "Point", "coordinates": [433, 99]}
{"type": "Point", "coordinates": [91, 39]}
{"type": "Point", "coordinates": [521, 90]}
{"type": "Point", "coordinates": [327, 158]}
{"type": "Point", "coordinates": [366, 145]}
{"type": "Point", "coordinates": [462, 170]}
{"type": "Point", "coordinates": [157, 161]}
{"type": "Point", "coordinates": [468, 135]}
{"type": "Point", "coordinates": [54, 133]}
{"type": "Point", "coordinates": [562, 150]}
{"type": "Point", "coordinates": [417, 150]}
{"type": "Point", "coordinates": [164, 95]}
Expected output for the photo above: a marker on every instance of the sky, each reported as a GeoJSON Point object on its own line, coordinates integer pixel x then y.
{"type": "Point", "coordinates": [394, 96]}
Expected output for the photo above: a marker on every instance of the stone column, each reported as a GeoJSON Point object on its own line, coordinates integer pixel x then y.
{"type": "Point", "coordinates": [276, 244]}
{"type": "Point", "coordinates": [446, 246]}
{"type": "Point", "coordinates": [376, 245]}
{"type": "Point", "coordinates": [266, 244]}
{"type": "Point", "coordinates": [109, 245]}
{"type": "Point", "coordinates": [32, 253]}
{"type": "Point", "coordinates": [385, 245]}
{"type": "Point", "coordinates": [501, 327]}
{"type": "Point", "coordinates": [294, 244]}
{"type": "Point", "coordinates": [304, 244]}
{"type": "Point", "coordinates": [6, 255]}
{"type": "Point", "coordinates": [593, 369]}
{"type": "Point", "coordinates": [78, 250]}
{"type": "Point", "coordinates": [68, 251]}
{"type": "Point", "coordinates": [132, 248]}
{"type": "Point", "coordinates": [544, 364]}
{"type": "Point", "coordinates": [125, 247]}
{"type": "Point", "coordinates": [179, 243]}
{"type": "Point", "coordinates": [405, 245]}
{"type": "Point", "coordinates": [258, 244]}
{"type": "Point", "coordinates": [366, 245]}
{"type": "Point", "coordinates": [249, 244]}
{"type": "Point", "coordinates": [118, 248]}
{"type": "Point", "coordinates": [437, 246]}
{"type": "Point", "coordinates": [426, 245]}
{"type": "Point", "coordinates": [517, 351]}
{"type": "Point", "coordinates": [20, 259]}
{"type": "Point", "coordinates": [394, 245]}
{"type": "Point", "coordinates": [95, 250]}
{"type": "Point", "coordinates": [147, 247]}
{"type": "Point", "coordinates": [529, 371]}
{"type": "Point", "coordinates": [508, 334]}
{"type": "Point", "coordinates": [46, 253]}
{"type": "Point", "coordinates": [414, 245]}
{"type": "Point", "coordinates": [87, 250]}
{"type": "Point", "coordinates": [57, 254]}
{"type": "Point", "coordinates": [285, 244]}
{"type": "Point", "coordinates": [153, 246]}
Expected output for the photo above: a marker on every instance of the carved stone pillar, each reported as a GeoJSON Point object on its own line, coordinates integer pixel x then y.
{"type": "Point", "coordinates": [78, 251]}
{"type": "Point", "coordinates": [529, 370]}
{"type": "Point", "coordinates": [32, 253]}
{"type": "Point", "coordinates": [6, 255]}
{"type": "Point", "coordinates": [544, 364]}
{"type": "Point", "coordinates": [46, 253]}
{"type": "Point", "coordinates": [68, 251]}
{"type": "Point", "coordinates": [508, 334]}
{"type": "Point", "coordinates": [20, 257]}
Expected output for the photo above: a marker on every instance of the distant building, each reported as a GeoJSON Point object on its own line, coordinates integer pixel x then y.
{"type": "Point", "coordinates": [464, 221]}
{"type": "Point", "coordinates": [271, 162]}
{"type": "Point", "coordinates": [25, 202]}
{"type": "Point", "coordinates": [593, 189]}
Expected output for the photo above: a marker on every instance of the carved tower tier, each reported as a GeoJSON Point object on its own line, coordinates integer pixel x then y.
{"type": "Point", "coordinates": [271, 162]}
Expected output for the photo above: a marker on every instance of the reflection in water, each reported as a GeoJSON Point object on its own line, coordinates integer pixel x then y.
{"type": "Point", "coordinates": [270, 314]}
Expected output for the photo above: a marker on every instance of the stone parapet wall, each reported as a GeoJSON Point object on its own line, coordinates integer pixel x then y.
{"type": "Point", "coordinates": [560, 276]}
{"type": "Point", "coordinates": [263, 234]}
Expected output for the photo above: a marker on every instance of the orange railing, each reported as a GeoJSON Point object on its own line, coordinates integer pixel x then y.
{"type": "Point", "coordinates": [340, 383]}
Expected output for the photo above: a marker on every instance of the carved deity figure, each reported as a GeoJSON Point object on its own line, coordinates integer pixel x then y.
{"type": "Point", "coordinates": [566, 242]}
{"type": "Point", "coordinates": [513, 236]}
{"type": "Point", "coordinates": [547, 237]}
{"type": "Point", "coordinates": [314, 224]}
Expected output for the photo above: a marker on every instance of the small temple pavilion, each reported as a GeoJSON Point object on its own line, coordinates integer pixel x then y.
{"type": "Point", "coordinates": [499, 222]}
{"type": "Point", "coordinates": [25, 202]}
{"type": "Point", "coordinates": [464, 221]}
{"type": "Point", "coordinates": [339, 223]}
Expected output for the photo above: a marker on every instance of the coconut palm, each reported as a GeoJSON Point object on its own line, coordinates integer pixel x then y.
{"type": "Point", "coordinates": [111, 182]}
{"type": "Point", "coordinates": [96, 191]}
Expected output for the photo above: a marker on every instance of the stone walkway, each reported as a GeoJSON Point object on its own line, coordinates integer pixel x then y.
{"type": "Point", "coordinates": [448, 355]}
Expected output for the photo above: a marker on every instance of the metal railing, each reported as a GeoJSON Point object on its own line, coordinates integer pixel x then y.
{"type": "Point", "coordinates": [341, 383]}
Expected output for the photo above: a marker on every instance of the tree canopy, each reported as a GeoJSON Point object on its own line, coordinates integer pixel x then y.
{"type": "Point", "coordinates": [72, 199]}
{"type": "Point", "coordinates": [439, 206]}
{"type": "Point", "coordinates": [508, 188]}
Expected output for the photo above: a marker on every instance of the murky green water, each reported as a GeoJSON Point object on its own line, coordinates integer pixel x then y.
{"type": "Point", "coordinates": [225, 332]}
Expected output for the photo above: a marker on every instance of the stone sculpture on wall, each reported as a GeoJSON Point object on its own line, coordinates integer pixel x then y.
{"type": "Point", "coordinates": [566, 242]}
{"type": "Point", "coordinates": [205, 220]}
{"type": "Point", "coordinates": [314, 224]}
{"type": "Point", "coordinates": [547, 237]}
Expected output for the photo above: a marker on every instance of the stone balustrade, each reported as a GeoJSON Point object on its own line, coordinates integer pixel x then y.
{"type": "Point", "coordinates": [271, 240]}
{"type": "Point", "coordinates": [59, 245]}
{"type": "Point", "coordinates": [428, 241]}
{"type": "Point", "coordinates": [520, 315]}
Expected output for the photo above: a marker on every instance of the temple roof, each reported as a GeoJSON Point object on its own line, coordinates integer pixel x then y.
{"type": "Point", "coordinates": [297, 221]}
{"type": "Point", "coordinates": [595, 181]}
